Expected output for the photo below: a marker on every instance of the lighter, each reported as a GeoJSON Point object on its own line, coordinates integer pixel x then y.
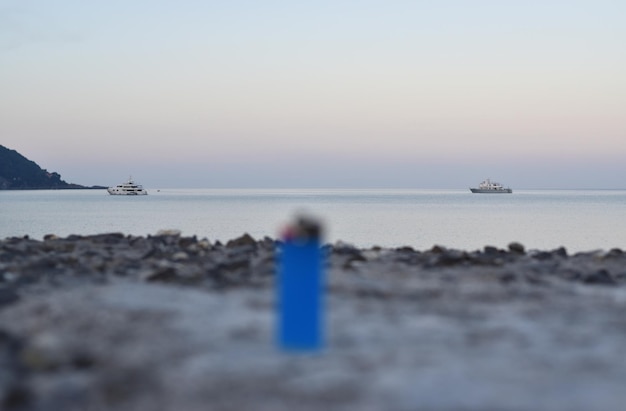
{"type": "Point", "coordinates": [300, 287]}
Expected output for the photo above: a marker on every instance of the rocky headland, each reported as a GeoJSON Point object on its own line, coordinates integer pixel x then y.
{"type": "Point", "coordinates": [19, 173]}
{"type": "Point", "coordinates": [167, 322]}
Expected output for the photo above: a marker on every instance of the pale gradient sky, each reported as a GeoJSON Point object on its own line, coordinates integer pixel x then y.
{"type": "Point", "coordinates": [416, 94]}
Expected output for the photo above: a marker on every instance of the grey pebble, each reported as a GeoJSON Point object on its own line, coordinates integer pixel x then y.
{"type": "Point", "coordinates": [166, 321]}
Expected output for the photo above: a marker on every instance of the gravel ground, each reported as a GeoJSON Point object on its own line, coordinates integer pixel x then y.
{"type": "Point", "coordinates": [166, 322]}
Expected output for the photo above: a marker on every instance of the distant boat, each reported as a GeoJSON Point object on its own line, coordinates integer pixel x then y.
{"type": "Point", "coordinates": [488, 187]}
{"type": "Point", "coordinates": [129, 188]}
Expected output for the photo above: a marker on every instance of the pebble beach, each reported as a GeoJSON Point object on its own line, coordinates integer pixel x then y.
{"type": "Point", "coordinates": [168, 322]}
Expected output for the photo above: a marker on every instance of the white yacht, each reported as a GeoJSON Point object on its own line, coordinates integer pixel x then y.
{"type": "Point", "coordinates": [129, 188]}
{"type": "Point", "coordinates": [488, 186]}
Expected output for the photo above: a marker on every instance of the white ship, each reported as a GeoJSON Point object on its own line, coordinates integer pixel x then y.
{"type": "Point", "coordinates": [488, 186]}
{"type": "Point", "coordinates": [129, 188]}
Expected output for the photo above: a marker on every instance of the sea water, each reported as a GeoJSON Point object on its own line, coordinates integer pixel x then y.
{"type": "Point", "coordinates": [580, 220]}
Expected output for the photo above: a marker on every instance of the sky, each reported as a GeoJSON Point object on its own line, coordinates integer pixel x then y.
{"type": "Point", "coordinates": [324, 93]}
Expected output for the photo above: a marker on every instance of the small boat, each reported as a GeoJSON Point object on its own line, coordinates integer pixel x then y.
{"type": "Point", "coordinates": [129, 188]}
{"type": "Point", "coordinates": [488, 187]}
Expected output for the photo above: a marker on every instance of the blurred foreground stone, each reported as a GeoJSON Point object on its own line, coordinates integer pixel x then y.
{"type": "Point", "coordinates": [167, 322]}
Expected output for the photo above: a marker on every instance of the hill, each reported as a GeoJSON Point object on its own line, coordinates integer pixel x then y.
{"type": "Point", "coordinates": [19, 173]}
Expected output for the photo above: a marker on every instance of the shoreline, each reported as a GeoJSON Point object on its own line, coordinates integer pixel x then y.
{"type": "Point", "coordinates": [168, 322]}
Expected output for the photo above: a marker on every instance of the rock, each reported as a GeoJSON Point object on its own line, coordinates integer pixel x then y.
{"type": "Point", "coordinates": [490, 250]}
{"type": "Point", "coordinates": [180, 256]}
{"type": "Point", "coordinates": [451, 257]}
{"type": "Point", "coordinates": [614, 253]}
{"type": "Point", "coordinates": [169, 322]}
{"type": "Point", "coordinates": [341, 248]}
{"type": "Point", "coordinates": [107, 238]}
{"type": "Point", "coordinates": [186, 242]}
{"type": "Point", "coordinates": [437, 249]}
{"type": "Point", "coordinates": [404, 249]}
{"type": "Point", "coordinates": [7, 296]}
{"type": "Point", "coordinates": [244, 240]}
{"type": "Point", "coordinates": [14, 393]}
{"type": "Point", "coordinates": [507, 277]}
{"type": "Point", "coordinates": [601, 276]}
{"type": "Point", "coordinates": [516, 247]}
{"type": "Point", "coordinates": [168, 233]}
{"type": "Point", "coordinates": [542, 255]}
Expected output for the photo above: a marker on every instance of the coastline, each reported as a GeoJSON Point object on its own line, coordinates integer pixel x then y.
{"type": "Point", "coordinates": [69, 187]}
{"type": "Point", "coordinates": [167, 322]}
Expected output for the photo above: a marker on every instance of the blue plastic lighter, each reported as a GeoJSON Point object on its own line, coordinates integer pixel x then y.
{"type": "Point", "coordinates": [300, 288]}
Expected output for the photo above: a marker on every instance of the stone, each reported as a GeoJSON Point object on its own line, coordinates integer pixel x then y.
{"type": "Point", "coordinates": [490, 250]}
{"type": "Point", "coordinates": [169, 233]}
{"type": "Point", "coordinates": [601, 276]}
{"type": "Point", "coordinates": [180, 256]}
{"type": "Point", "coordinates": [438, 249]}
{"type": "Point", "coordinates": [8, 296]}
{"type": "Point", "coordinates": [110, 321]}
{"type": "Point", "coordinates": [245, 240]}
{"type": "Point", "coordinates": [451, 257]}
{"type": "Point", "coordinates": [516, 247]}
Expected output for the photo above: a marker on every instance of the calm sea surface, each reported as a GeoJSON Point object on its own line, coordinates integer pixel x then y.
{"type": "Point", "coordinates": [579, 220]}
